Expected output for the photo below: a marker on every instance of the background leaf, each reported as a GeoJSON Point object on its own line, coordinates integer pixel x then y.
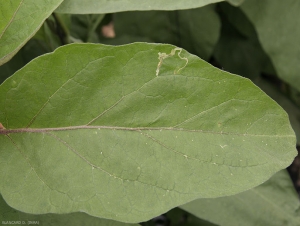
{"type": "Point", "coordinates": [196, 30]}
{"type": "Point", "coordinates": [33, 48]}
{"type": "Point", "coordinates": [133, 144]}
{"type": "Point", "coordinates": [277, 26]}
{"type": "Point", "coordinates": [180, 217]}
{"type": "Point", "coordinates": [21, 20]}
{"type": "Point", "coordinates": [106, 6]}
{"type": "Point", "coordinates": [9, 214]}
{"type": "Point", "coordinates": [177, 217]}
{"type": "Point", "coordinates": [238, 49]}
{"type": "Point", "coordinates": [273, 203]}
{"type": "Point", "coordinates": [236, 2]}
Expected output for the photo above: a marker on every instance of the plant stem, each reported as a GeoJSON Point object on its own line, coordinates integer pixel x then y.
{"type": "Point", "coordinates": [94, 26]}
{"type": "Point", "coordinates": [62, 30]}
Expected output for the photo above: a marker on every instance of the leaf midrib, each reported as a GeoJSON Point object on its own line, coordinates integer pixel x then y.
{"type": "Point", "coordinates": [95, 166]}
{"type": "Point", "coordinates": [68, 128]}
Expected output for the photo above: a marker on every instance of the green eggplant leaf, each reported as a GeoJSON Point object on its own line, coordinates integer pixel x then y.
{"type": "Point", "coordinates": [129, 132]}
{"type": "Point", "coordinates": [273, 203]}
{"type": "Point", "coordinates": [20, 20]}
{"type": "Point", "coordinates": [107, 6]}
{"type": "Point", "coordinates": [11, 216]}
{"type": "Point", "coordinates": [278, 30]}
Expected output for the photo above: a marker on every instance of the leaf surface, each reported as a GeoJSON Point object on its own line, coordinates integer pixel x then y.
{"type": "Point", "coordinates": [19, 21]}
{"type": "Point", "coordinates": [273, 203]}
{"type": "Point", "coordinates": [117, 133]}
{"type": "Point", "coordinates": [107, 6]}
{"type": "Point", "coordinates": [277, 26]}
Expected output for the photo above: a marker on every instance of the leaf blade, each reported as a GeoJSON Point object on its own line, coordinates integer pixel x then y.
{"type": "Point", "coordinates": [150, 137]}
